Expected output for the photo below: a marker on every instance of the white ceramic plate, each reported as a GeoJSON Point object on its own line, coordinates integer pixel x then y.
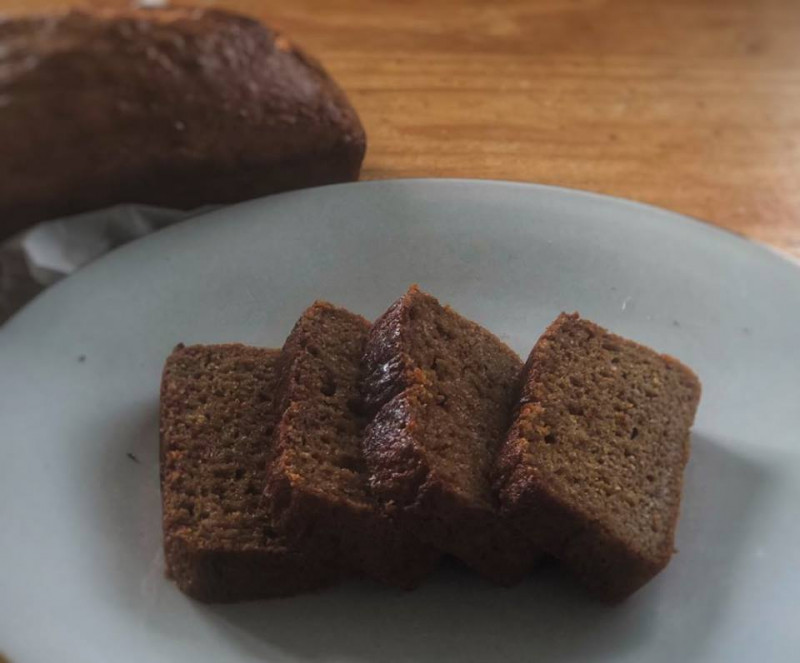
{"type": "Point", "coordinates": [81, 572]}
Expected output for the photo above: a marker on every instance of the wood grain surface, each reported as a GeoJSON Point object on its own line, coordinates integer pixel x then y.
{"type": "Point", "coordinates": [693, 105]}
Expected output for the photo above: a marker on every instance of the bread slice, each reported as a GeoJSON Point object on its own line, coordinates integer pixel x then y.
{"type": "Point", "coordinates": [593, 465]}
{"type": "Point", "coordinates": [217, 418]}
{"type": "Point", "coordinates": [442, 389]}
{"type": "Point", "coordinates": [317, 482]}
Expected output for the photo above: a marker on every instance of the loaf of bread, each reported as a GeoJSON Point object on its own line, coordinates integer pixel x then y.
{"type": "Point", "coordinates": [593, 465]}
{"type": "Point", "coordinates": [217, 420]}
{"type": "Point", "coordinates": [176, 107]}
{"type": "Point", "coordinates": [317, 483]}
{"type": "Point", "coordinates": [443, 389]}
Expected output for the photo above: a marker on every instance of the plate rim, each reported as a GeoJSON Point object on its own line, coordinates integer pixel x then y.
{"type": "Point", "coordinates": [765, 250]}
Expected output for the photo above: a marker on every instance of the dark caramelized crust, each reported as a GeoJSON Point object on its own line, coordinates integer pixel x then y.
{"type": "Point", "coordinates": [442, 389]}
{"type": "Point", "coordinates": [593, 465]}
{"type": "Point", "coordinates": [217, 419]}
{"type": "Point", "coordinates": [177, 107]}
{"type": "Point", "coordinates": [317, 481]}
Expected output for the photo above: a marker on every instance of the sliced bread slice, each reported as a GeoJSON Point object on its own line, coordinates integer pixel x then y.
{"type": "Point", "coordinates": [216, 423]}
{"type": "Point", "coordinates": [317, 485]}
{"type": "Point", "coordinates": [442, 389]}
{"type": "Point", "coordinates": [593, 465]}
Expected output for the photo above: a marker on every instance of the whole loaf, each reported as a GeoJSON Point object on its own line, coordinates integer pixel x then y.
{"type": "Point", "coordinates": [176, 107]}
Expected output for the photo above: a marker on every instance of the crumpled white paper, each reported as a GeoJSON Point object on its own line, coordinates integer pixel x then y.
{"type": "Point", "coordinates": [48, 252]}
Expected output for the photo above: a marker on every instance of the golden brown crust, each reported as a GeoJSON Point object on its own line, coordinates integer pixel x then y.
{"type": "Point", "coordinates": [175, 107]}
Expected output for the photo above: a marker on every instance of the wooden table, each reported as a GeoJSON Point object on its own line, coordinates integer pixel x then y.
{"type": "Point", "coordinates": [693, 105]}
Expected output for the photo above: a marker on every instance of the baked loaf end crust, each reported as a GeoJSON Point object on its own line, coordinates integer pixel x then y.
{"type": "Point", "coordinates": [175, 107]}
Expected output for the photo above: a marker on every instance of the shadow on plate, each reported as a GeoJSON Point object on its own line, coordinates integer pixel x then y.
{"type": "Point", "coordinates": [456, 616]}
